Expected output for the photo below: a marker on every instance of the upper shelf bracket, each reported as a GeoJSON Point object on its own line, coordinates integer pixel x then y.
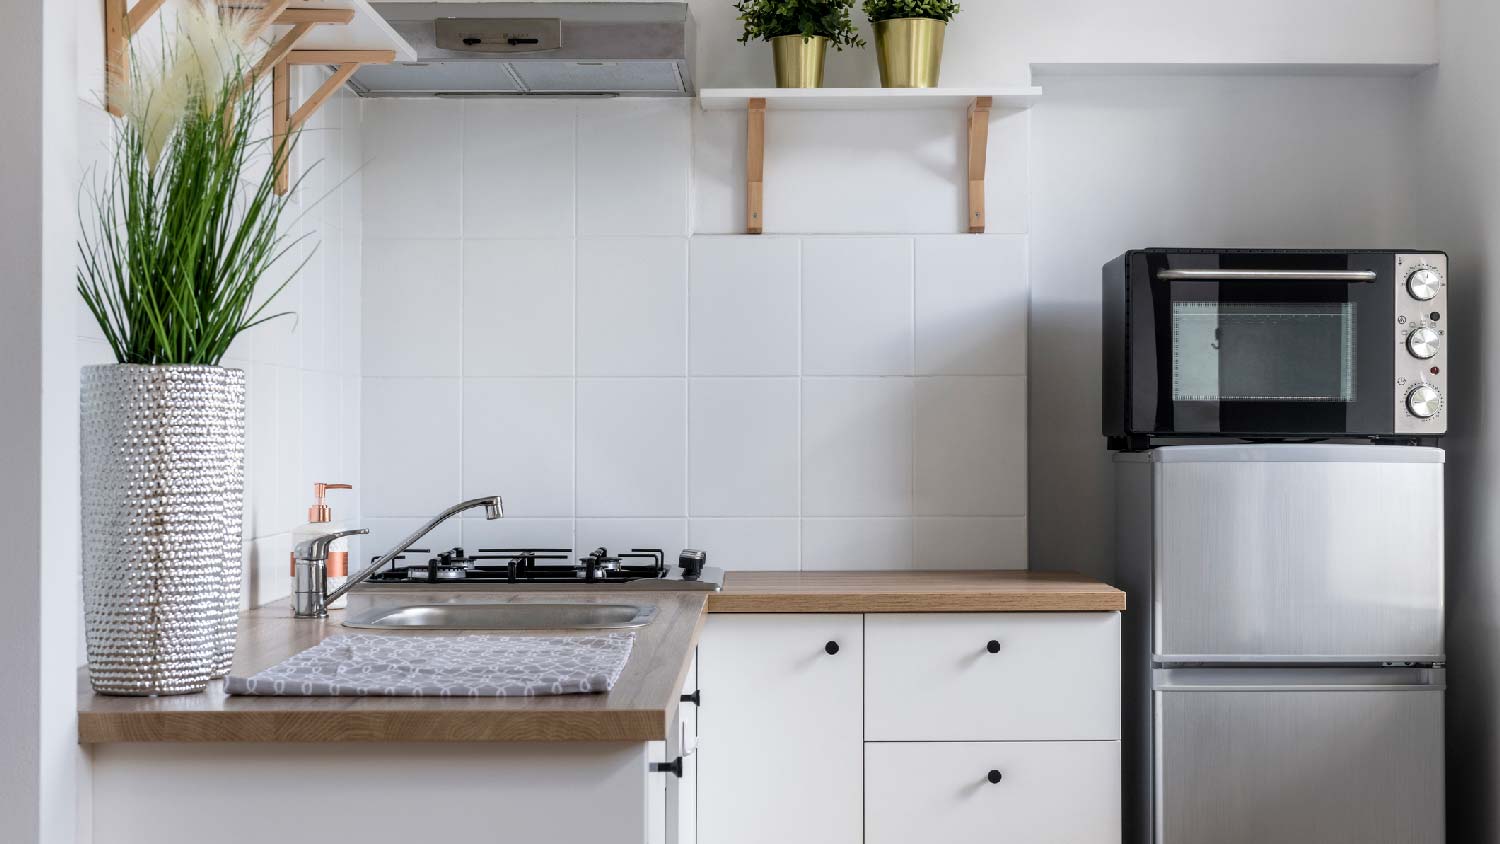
{"type": "Point", "coordinates": [284, 121]}
{"type": "Point", "coordinates": [979, 103]}
{"type": "Point", "coordinates": [119, 24]}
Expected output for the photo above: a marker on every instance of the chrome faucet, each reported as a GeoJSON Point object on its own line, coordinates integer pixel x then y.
{"type": "Point", "coordinates": [311, 598]}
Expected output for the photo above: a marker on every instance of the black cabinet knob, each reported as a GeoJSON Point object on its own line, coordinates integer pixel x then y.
{"type": "Point", "coordinates": [673, 767]}
{"type": "Point", "coordinates": [831, 648]}
{"type": "Point", "coordinates": [993, 647]}
{"type": "Point", "coordinates": [994, 776]}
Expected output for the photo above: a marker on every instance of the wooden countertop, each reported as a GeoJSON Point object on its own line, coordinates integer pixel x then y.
{"type": "Point", "coordinates": [914, 591]}
{"type": "Point", "coordinates": [637, 709]}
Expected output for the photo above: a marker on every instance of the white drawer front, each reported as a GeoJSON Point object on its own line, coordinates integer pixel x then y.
{"type": "Point", "coordinates": [931, 677]}
{"type": "Point", "coordinates": [1062, 792]}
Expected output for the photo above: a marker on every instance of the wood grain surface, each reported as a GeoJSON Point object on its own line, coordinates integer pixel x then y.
{"type": "Point", "coordinates": [914, 591]}
{"type": "Point", "coordinates": [637, 709]}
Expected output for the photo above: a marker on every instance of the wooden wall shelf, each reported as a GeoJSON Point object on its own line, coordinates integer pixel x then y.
{"type": "Point", "coordinates": [977, 103]}
{"type": "Point", "coordinates": [342, 33]}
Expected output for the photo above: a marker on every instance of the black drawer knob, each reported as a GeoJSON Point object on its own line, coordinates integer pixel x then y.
{"type": "Point", "coordinates": [993, 647]}
{"type": "Point", "coordinates": [831, 648]}
{"type": "Point", "coordinates": [994, 777]}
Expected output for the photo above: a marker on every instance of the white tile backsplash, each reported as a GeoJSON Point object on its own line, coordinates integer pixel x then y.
{"type": "Point", "coordinates": [632, 306]}
{"type": "Point", "coordinates": [411, 307]}
{"type": "Point", "coordinates": [813, 401]}
{"type": "Point", "coordinates": [857, 306]}
{"type": "Point", "coordinates": [970, 453]}
{"type": "Point", "coordinates": [632, 447]}
{"type": "Point", "coordinates": [856, 447]}
{"type": "Point", "coordinates": [856, 544]}
{"type": "Point", "coordinates": [745, 306]}
{"type": "Point", "coordinates": [971, 301]}
{"type": "Point", "coordinates": [748, 544]}
{"type": "Point", "coordinates": [743, 438]}
{"type": "Point", "coordinates": [518, 168]}
{"type": "Point", "coordinates": [633, 165]}
{"type": "Point", "coordinates": [411, 459]}
{"type": "Point", "coordinates": [414, 185]}
{"type": "Point", "coordinates": [518, 443]}
{"type": "Point", "coordinates": [517, 312]}
{"type": "Point", "coordinates": [969, 543]}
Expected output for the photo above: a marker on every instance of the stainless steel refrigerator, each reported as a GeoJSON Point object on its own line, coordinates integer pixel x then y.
{"type": "Point", "coordinates": [1284, 643]}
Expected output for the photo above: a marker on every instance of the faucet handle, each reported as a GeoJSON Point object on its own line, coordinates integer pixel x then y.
{"type": "Point", "coordinates": [317, 549]}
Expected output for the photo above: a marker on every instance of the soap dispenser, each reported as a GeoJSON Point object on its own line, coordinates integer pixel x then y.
{"type": "Point", "coordinates": [320, 523]}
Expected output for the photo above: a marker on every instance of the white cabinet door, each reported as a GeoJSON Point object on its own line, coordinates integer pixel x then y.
{"type": "Point", "coordinates": [780, 729]}
{"type": "Point", "coordinates": [942, 792]}
{"type": "Point", "coordinates": [687, 789]}
{"type": "Point", "coordinates": [992, 676]}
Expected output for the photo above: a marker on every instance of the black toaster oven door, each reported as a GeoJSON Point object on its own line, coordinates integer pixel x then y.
{"type": "Point", "coordinates": [1276, 344]}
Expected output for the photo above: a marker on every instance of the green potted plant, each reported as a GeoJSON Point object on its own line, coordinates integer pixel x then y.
{"type": "Point", "coordinates": [800, 32]}
{"type": "Point", "coordinates": [184, 226]}
{"type": "Point", "coordinates": [909, 40]}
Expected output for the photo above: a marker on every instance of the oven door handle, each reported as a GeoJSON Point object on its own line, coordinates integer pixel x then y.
{"type": "Point", "coordinates": [1347, 276]}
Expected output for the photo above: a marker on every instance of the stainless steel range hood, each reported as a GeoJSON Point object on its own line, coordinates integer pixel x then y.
{"type": "Point", "coordinates": [542, 49]}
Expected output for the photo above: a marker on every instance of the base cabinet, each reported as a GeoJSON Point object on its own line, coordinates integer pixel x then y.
{"type": "Point", "coordinates": [888, 729]}
{"type": "Point", "coordinates": [781, 732]}
{"type": "Point", "coordinates": [1037, 792]}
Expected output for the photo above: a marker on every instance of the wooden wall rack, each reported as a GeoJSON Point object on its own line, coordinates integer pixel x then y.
{"type": "Point", "coordinates": [979, 104]}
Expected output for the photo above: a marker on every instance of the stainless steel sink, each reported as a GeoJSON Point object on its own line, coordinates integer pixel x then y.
{"type": "Point", "coordinates": [518, 616]}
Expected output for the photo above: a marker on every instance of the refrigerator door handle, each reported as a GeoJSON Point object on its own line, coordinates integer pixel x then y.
{"type": "Point", "coordinates": [1394, 679]}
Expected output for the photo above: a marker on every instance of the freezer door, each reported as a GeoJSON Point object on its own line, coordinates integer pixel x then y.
{"type": "Point", "coordinates": [1310, 760]}
{"type": "Point", "coordinates": [1284, 561]}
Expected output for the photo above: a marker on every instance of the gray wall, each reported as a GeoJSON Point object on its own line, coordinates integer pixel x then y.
{"type": "Point", "coordinates": [1458, 208]}
{"type": "Point", "coordinates": [1124, 162]}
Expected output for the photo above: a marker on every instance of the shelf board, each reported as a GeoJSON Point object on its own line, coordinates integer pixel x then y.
{"type": "Point", "coordinates": [368, 30]}
{"type": "Point", "coordinates": [864, 99]}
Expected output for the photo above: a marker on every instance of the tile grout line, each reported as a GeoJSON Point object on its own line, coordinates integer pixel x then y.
{"type": "Point", "coordinates": [801, 407]}
{"type": "Point", "coordinates": [463, 123]}
{"type": "Point", "coordinates": [911, 407]}
{"type": "Point", "coordinates": [573, 276]}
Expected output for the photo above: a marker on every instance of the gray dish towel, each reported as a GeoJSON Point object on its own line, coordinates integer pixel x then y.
{"type": "Point", "coordinates": [370, 664]}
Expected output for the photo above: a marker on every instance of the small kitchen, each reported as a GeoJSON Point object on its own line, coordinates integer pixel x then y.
{"type": "Point", "coordinates": [721, 422]}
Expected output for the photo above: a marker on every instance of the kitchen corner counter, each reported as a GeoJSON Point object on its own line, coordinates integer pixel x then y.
{"type": "Point", "coordinates": [639, 709]}
{"type": "Point", "coordinates": [914, 591]}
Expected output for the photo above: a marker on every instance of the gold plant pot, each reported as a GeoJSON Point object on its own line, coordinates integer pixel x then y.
{"type": "Point", "coordinates": [909, 51]}
{"type": "Point", "coordinates": [799, 60]}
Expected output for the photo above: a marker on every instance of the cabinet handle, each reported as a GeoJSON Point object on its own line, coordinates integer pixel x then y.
{"type": "Point", "coordinates": [696, 698]}
{"type": "Point", "coordinates": [672, 767]}
{"type": "Point", "coordinates": [831, 648]}
{"type": "Point", "coordinates": [993, 647]}
{"type": "Point", "coordinates": [993, 777]}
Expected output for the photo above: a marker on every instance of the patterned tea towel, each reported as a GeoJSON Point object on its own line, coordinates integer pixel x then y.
{"type": "Point", "coordinates": [359, 664]}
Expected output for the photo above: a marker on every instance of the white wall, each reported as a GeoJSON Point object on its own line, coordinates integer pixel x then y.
{"type": "Point", "coordinates": [539, 323]}
{"type": "Point", "coordinates": [1458, 207]}
{"type": "Point", "coordinates": [38, 427]}
{"type": "Point", "coordinates": [1122, 163]}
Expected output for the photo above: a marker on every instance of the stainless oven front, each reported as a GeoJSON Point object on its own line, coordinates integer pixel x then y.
{"type": "Point", "coordinates": [1283, 344]}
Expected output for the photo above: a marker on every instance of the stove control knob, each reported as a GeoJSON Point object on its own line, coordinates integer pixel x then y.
{"type": "Point", "coordinates": [692, 562]}
{"type": "Point", "coordinates": [1424, 401]}
{"type": "Point", "coordinates": [1424, 283]}
{"type": "Point", "coordinates": [1423, 342]}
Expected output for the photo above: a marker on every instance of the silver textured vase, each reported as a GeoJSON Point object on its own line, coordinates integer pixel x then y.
{"type": "Point", "coordinates": [163, 474]}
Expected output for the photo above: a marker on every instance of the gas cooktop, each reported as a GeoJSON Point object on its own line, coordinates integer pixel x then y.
{"type": "Point", "coordinates": [555, 568]}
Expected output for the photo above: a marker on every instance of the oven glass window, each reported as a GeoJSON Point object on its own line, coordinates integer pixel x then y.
{"type": "Point", "coordinates": [1263, 352]}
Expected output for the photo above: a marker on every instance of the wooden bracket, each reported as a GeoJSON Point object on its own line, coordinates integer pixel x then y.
{"type": "Point", "coordinates": [285, 123]}
{"type": "Point", "coordinates": [979, 141]}
{"type": "Point", "coordinates": [120, 23]}
{"type": "Point", "coordinates": [755, 166]}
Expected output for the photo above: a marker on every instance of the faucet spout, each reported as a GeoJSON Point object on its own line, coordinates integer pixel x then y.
{"type": "Point", "coordinates": [317, 607]}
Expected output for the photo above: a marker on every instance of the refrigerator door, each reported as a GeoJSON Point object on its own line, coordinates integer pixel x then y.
{"type": "Point", "coordinates": [1309, 759]}
{"type": "Point", "coordinates": [1297, 553]}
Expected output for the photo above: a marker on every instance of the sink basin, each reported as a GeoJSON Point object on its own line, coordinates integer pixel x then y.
{"type": "Point", "coordinates": [557, 616]}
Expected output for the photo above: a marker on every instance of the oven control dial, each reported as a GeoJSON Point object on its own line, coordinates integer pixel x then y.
{"type": "Point", "coordinates": [1424, 401]}
{"type": "Point", "coordinates": [1424, 283]}
{"type": "Point", "coordinates": [1423, 343]}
